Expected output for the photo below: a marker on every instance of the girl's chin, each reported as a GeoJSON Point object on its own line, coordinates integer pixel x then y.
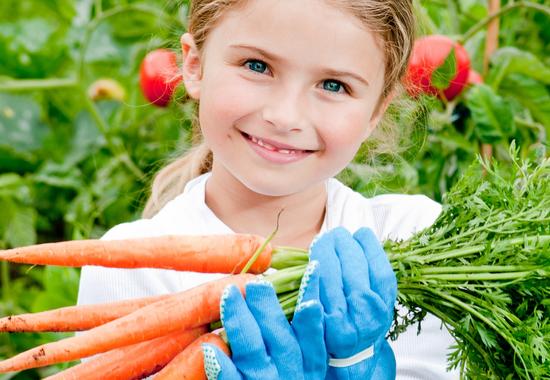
{"type": "Point", "coordinates": [276, 187]}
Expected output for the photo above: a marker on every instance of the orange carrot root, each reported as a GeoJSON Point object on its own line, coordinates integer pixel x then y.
{"type": "Point", "coordinates": [196, 307]}
{"type": "Point", "coordinates": [207, 254]}
{"type": "Point", "coordinates": [189, 364]}
{"type": "Point", "coordinates": [74, 318]}
{"type": "Point", "coordinates": [133, 362]}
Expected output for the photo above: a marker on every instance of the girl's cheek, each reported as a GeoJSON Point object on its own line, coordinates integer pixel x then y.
{"type": "Point", "coordinates": [232, 100]}
{"type": "Point", "coordinates": [344, 130]}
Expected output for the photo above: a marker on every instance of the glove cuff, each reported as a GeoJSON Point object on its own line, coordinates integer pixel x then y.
{"type": "Point", "coordinates": [352, 360]}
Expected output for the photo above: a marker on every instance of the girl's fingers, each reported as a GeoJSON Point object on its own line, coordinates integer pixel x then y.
{"type": "Point", "coordinates": [277, 334]}
{"type": "Point", "coordinates": [248, 351]}
{"type": "Point", "coordinates": [366, 309]}
{"type": "Point", "coordinates": [340, 331]}
{"type": "Point", "coordinates": [331, 288]}
{"type": "Point", "coordinates": [308, 326]}
{"type": "Point", "coordinates": [354, 264]}
{"type": "Point", "coordinates": [217, 365]}
{"type": "Point", "coordinates": [381, 275]}
{"type": "Point", "coordinates": [309, 287]}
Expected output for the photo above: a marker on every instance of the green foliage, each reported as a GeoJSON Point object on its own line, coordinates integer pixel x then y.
{"type": "Point", "coordinates": [491, 115]}
{"type": "Point", "coordinates": [442, 138]}
{"type": "Point", "coordinates": [72, 167]}
{"type": "Point", "coordinates": [483, 269]}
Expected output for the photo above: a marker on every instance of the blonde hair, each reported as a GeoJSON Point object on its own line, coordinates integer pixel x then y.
{"type": "Point", "coordinates": [391, 20]}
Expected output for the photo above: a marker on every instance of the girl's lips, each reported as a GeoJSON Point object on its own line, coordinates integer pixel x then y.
{"type": "Point", "coordinates": [280, 154]}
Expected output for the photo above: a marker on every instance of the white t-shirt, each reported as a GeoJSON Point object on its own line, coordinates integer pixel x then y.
{"type": "Point", "coordinates": [419, 357]}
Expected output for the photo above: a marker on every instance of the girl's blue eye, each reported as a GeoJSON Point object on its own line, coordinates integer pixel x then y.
{"type": "Point", "coordinates": [260, 66]}
{"type": "Point", "coordinates": [334, 86]}
{"type": "Point", "coordinates": [256, 65]}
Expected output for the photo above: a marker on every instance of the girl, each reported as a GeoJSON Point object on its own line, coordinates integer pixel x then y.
{"type": "Point", "coordinates": [287, 90]}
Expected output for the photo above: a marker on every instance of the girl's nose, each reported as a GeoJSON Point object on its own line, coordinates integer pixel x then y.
{"type": "Point", "coordinates": [285, 109]}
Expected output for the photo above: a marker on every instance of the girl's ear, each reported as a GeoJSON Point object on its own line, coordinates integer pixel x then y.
{"type": "Point", "coordinates": [191, 66]}
{"type": "Point", "coordinates": [378, 114]}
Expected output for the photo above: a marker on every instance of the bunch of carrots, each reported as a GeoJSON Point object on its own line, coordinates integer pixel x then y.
{"type": "Point", "coordinates": [165, 332]}
{"type": "Point", "coordinates": [483, 268]}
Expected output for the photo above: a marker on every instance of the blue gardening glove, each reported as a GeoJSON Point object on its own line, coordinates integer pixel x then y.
{"type": "Point", "coordinates": [263, 344]}
{"type": "Point", "coordinates": [358, 290]}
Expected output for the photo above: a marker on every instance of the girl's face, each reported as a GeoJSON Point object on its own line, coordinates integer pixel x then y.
{"type": "Point", "coordinates": [287, 94]}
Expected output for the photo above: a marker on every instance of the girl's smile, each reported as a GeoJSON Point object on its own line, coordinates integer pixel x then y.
{"type": "Point", "coordinates": [274, 151]}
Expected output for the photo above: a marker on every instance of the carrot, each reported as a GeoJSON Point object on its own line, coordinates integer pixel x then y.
{"type": "Point", "coordinates": [133, 362]}
{"type": "Point", "coordinates": [185, 310]}
{"type": "Point", "coordinates": [75, 318]}
{"type": "Point", "coordinates": [189, 364]}
{"type": "Point", "coordinates": [196, 253]}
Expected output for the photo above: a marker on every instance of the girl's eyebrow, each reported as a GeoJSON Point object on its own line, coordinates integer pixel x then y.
{"type": "Point", "coordinates": [276, 58]}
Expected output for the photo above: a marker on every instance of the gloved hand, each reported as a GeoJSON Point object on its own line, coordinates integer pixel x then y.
{"type": "Point", "coordinates": [358, 289]}
{"type": "Point", "coordinates": [263, 344]}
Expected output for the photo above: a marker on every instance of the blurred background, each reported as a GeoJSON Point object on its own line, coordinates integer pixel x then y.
{"type": "Point", "coordinates": [81, 135]}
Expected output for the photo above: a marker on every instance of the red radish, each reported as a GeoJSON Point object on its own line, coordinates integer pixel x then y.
{"type": "Point", "coordinates": [429, 53]}
{"type": "Point", "coordinates": [159, 76]}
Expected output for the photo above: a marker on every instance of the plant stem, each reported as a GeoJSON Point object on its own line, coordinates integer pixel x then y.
{"type": "Point", "coordinates": [287, 279]}
{"type": "Point", "coordinates": [454, 253]}
{"type": "Point", "coordinates": [453, 12]}
{"type": "Point", "coordinates": [444, 318]}
{"type": "Point", "coordinates": [98, 7]}
{"type": "Point", "coordinates": [476, 269]}
{"type": "Point", "coordinates": [475, 276]}
{"type": "Point", "coordinates": [37, 84]}
{"type": "Point", "coordinates": [482, 23]}
{"type": "Point", "coordinates": [472, 311]}
{"type": "Point", "coordinates": [119, 152]}
{"type": "Point", "coordinates": [450, 239]}
{"type": "Point", "coordinates": [284, 258]}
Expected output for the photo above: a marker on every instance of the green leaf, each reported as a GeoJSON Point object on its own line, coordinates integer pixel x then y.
{"type": "Point", "coordinates": [32, 48]}
{"type": "Point", "coordinates": [8, 182]}
{"type": "Point", "coordinates": [21, 229]}
{"type": "Point", "coordinates": [87, 138]}
{"type": "Point", "coordinates": [65, 8]}
{"type": "Point", "coordinates": [7, 205]}
{"type": "Point", "coordinates": [22, 131]}
{"type": "Point", "coordinates": [103, 48]}
{"type": "Point", "coordinates": [134, 24]}
{"type": "Point", "coordinates": [59, 175]}
{"type": "Point", "coordinates": [442, 76]}
{"type": "Point", "coordinates": [510, 60]}
{"type": "Point", "coordinates": [531, 94]}
{"type": "Point", "coordinates": [60, 288]}
{"type": "Point", "coordinates": [492, 115]}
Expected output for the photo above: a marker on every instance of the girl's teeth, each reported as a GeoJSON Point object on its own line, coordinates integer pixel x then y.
{"type": "Point", "coordinates": [266, 145]}
{"type": "Point", "coordinates": [271, 147]}
{"type": "Point", "coordinates": [284, 151]}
